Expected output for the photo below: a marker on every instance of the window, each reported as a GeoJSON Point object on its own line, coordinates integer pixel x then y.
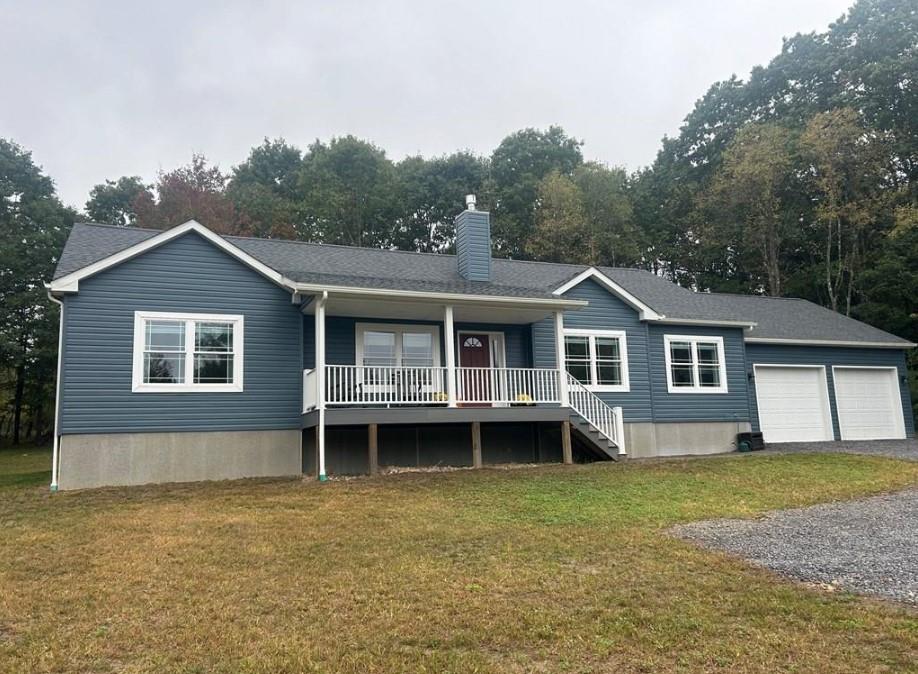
{"type": "Point", "coordinates": [597, 358]}
{"type": "Point", "coordinates": [397, 345]}
{"type": "Point", "coordinates": [187, 352]}
{"type": "Point", "coordinates": [695, 364]}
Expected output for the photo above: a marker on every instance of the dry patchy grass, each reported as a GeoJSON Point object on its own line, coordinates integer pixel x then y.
{"type": "Point", "coordinates": [548, 569]}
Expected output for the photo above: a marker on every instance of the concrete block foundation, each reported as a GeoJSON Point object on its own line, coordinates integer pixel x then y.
{"type": "Point", "coordinates": [99, 460]}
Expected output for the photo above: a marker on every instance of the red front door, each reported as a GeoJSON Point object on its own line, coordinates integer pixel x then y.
{"type": "Point", "coordinates": [475, 351]}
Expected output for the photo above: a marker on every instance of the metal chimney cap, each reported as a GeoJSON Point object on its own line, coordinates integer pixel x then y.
{"type": "Point", "coordinates": [470, 201]}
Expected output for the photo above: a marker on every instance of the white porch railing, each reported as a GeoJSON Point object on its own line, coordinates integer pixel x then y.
{"type": "Point", "coordinates": [507, 385]}
{"type": "Point", "coordinates": [607, 420]}
{"type": "Point", "coordinates": [366, 385]}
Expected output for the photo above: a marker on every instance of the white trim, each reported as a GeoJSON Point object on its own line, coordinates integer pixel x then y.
{"type": "Point", "coordinates": [702, 321]}
{"type": "Point", "coordinates": [646, 313]}
{"type": "Point", "coordinates": [497, 346]}
{"type": "Point", "coordinates": [900, 417]}
{"type": "Point", "coordinates": [563, 377]}
{"type": "Point", "coordinates": [625, 386]}
{"type": "Point", "coordinates": [71, 282]}
{"type": "Point", "coordinates": [826, 398]}
{"type": "Point", "coordinates": [830, 342]}
{"type": "Point", "coordinates": [321, 301]}
{"type": "Point", "coordinates": [188, 386]}
{"type": "Point", "coordinates": [398, 329]}
{"type": "Point", "coordinates": [697, 388]}
{"type": "Point", "coordinates": [455, 298]}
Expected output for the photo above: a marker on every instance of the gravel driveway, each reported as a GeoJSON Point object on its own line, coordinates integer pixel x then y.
{"type": "Point", "coordinates": [897, 449]}
{"type": "Point", "coordinates": [869, 545]}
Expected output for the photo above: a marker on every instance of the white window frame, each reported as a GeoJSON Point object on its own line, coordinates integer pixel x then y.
{"type": "Point", "coordinates": [399, 329]}
{"type": "Point", "coordinates": [625, 386]}
{"type": "Point", "coordinates": [189, 385]}
{"type": "Point", "coordinates": [697, 388]}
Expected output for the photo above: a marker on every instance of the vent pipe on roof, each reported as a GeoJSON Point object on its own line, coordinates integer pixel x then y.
{"type": "Point", "coordinates": [473, 242]}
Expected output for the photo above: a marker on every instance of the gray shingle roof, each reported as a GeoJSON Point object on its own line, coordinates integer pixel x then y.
{"type": "Point", "coordinates": [330, 265]}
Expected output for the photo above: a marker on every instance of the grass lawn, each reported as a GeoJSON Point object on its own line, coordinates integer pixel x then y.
{"type": "Point", "coordinates": [549, 569]}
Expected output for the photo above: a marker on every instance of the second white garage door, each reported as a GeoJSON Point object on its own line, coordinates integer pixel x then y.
{"type": "Point", "coordinates": [793, 403]}
{"type": "Point", "coordinates": [868, 401]}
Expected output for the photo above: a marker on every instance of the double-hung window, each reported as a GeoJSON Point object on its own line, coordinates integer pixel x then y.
{"type": "Point", "coordinates": [695, 364]}
{"type": "Point", "coordinates": [187, 352]}
{"type": "Point", "coordinates": [597, 358]}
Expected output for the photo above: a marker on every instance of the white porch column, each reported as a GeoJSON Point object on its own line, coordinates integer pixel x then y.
{"type": "Point", "coordinates": [449, 345]}
{"type": "Point", "coordinates": [320, 382]}
{"type": "Point", "coordinates": [559, 359]}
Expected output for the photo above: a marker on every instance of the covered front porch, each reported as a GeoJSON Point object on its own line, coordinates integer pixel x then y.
{"type": "Point", "coordinates": [374, 360]}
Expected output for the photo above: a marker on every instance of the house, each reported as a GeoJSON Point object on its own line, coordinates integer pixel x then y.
{"type": "Point", "coordinates": [189, 356]}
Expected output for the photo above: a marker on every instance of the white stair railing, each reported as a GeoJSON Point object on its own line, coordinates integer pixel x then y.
{"type": "Point", "coordinates": [605, 419]}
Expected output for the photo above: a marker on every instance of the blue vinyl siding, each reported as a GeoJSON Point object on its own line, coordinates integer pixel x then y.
{"type": "Point", "coordinates": [778, 354]}
{"type": "Point", "coordinates": [605, 312]}
{"type": "Point", "coordinates": [730, 406]}
{"type": "Point", "coordinates": [473, 245]}
{"type": "Point", "coordinates": [189, 275]}
{"type": "Point", "coordinates": [341, 339]}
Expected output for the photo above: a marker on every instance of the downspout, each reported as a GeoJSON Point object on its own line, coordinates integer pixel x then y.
{"type": "Point", "coordinates": [55, 451]}
{"type": "Point", "coordinates": [320, 382]}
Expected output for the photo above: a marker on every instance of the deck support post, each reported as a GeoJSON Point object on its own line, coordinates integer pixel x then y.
{"type": "Point", "coordinates": [373, 445]}
{"type": "Point", "coordinates": [476, 444]}
{"type": "Point", "coordinates": [559, 359]}
{"type": "Point", "coordinates": [320, 383]}
{"type": "Point", "coordinates": [449, 338]}
{"type": "Point", "coordinates": [566, 454]}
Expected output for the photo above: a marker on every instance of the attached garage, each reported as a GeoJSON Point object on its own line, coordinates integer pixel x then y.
{"type": "Point", "coordinates": [868, 403]}
{"type": "Point", "coordinates": [793, 403]}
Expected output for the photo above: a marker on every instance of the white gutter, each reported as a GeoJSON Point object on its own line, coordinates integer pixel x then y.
{"type": "Point", "coordinates": [831, 342]}
{"type": "Point", "coordinates": [701, 321]}
{"type": "Point", "coordinates": [55, 451]}
{"type": "Point", "coordinates": [439, 296]}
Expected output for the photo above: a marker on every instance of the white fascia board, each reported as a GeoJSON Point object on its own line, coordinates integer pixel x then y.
{"type": "Point", "coordinates": [646, 313]}
{"type": "Point", "coordinates": [830, 342]}
{"type": "Point", "coordinates": [712, 322]}
{"type": "Point", "coordinates": [313, 289]}
{"type": "Point", "coordinates": [71, 282]}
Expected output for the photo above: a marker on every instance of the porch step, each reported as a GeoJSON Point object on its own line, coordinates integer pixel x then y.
{"type": "Point", "coordinates": [595, 440]}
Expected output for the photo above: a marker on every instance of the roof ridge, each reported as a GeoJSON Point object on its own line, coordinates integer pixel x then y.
{"type": "Point", "coordinates": [130, 228]}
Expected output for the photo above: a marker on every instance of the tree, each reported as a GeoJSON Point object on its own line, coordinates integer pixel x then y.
{"type": "Point", "coordinates": [560, 233]}
{"type": "Point", "coordinates": [33, 226]}
{"type": "Point", "coordinates": [432, 192]}
{"type": "Point", "coordinates": [265, 191]}
{"type": "Point", "coordinates": [116, 202]}
{"type": "Point", "coordinates": [750, 197]}
{"type": "Point", "coordinates": [518, 165]}
{"type": "Point", "coordinates": [609, 214]}
{"type": "Point", "coordinates": [350, 194]}
{"type": "Point", "coordinates": [846, 170]}
{"type": "Point", "coordinates": [191, 192]}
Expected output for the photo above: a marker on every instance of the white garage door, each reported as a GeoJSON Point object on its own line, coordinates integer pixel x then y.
{"type": "Point", "coordinates": [869, 406]}
{"type": "Point", "coordinates": [793, 404]}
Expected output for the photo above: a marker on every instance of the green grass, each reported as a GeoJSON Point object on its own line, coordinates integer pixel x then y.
{"type": "Point", "coordinates": [550, 569]}
{"type": "Point", "coordinates": [25, 466]}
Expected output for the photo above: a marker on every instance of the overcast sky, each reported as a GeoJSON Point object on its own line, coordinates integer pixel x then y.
{"type": "Point", "coordinates": [102, 89]}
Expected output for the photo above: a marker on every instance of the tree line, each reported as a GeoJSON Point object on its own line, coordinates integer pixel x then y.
{"type": "Point", "coordinates": [801, 180]}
